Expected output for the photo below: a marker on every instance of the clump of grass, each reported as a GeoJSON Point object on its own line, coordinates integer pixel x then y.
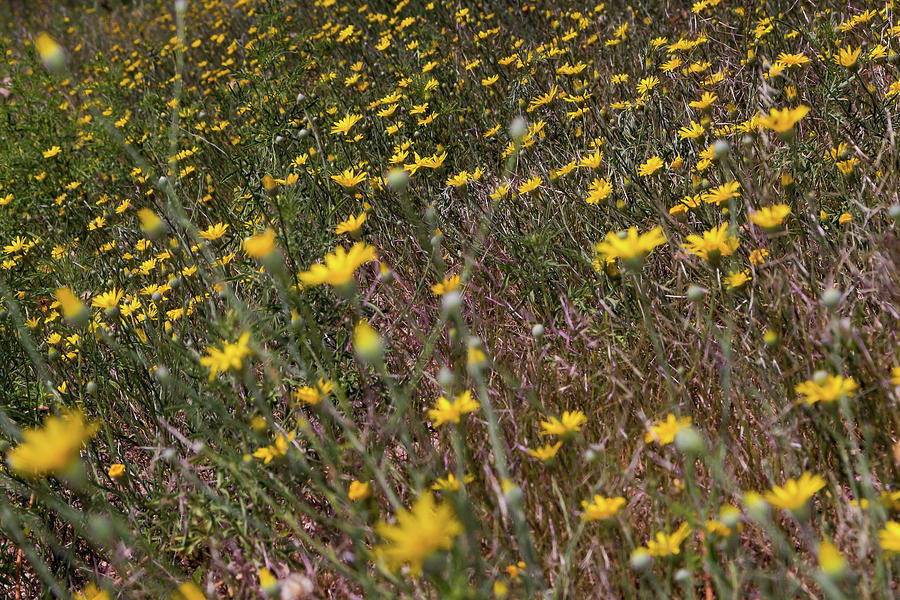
{"type": "Point", "coordinates": [424, 300]}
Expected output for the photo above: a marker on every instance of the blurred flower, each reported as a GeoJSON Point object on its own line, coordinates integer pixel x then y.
{"type": "Point", "coordinates": [665, 544]}
{"type": "Point", "coordinates": [229, 357]}
{"type": "Point", "coordinates": [664, 432]}
{"type": "Point", "coordinates": [339, 265]}
{"type": "Point", "coordinates": [116, 470]}
{"type": "Point", "coordinates": [794, 494]}
{"type": "Point", "coordinates": [600, 508]}
{"type": "Point", "coordinates": [276, 450]}
{"type": "Point", "coordinates": [546, 452]}
{"type": "Point", "coordinates": [569, 424]}
{"type": "Point", "coordinates": [53, 448]}
{"type": "Point", "coordinates": [359, 490]}
{"type": "Point", "coordinates": [420, 532]}
{"type": "Point", "coordinates": [770, 217]}
{"type": "Point", "coordinates": [449, 284]}
{"type": "Point", "coordinates": [826, 389]}
{"type": "Point", "coordinates": [91, 592]}
{"type": "Point", "coordinates": [889, 538]}
{"type": "Point", "coordinates": [450, 483]}
{"type": "Point", "coordinates": [629, 246]}
{"type": "Point", "coordinates": [446, 411]}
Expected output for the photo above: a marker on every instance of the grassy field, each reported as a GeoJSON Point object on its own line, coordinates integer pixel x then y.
{"type": "Point", "coordinates": [449, 300]}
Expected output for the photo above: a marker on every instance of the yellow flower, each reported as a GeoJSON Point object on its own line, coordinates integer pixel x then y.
{"type": "Point", "coordinates": [189, 591]}
{"type": "Point", "coordinates": [261, 245]}
{"type": "Point", "coordinates": [569, 424]}
{"type": "Point", "coordinates": [847, 56]}
{"type": "Point", "coordinates": [116, 470]}
{"type": "Point", "coordinates": [351, 225]}
{"type": "Point", "coordinates": [52, 152]}
{"type": "Point", "coordinates": [214, 232]}
{"type": "Point", "coordinates": [665, 544]}
{"type": "Point", "coordinates": [92, 592]}
{"type": "Point", "coordinates": [72, 307]}
{"type": "Point", "coordinates": [367, 342]}
{"type": "Point", "coordinates": [599, 190]}
{"type": "Point", "coordinates": [664, 432]}
{"type": "Point", "coordinates": [546, 452]}
{"type": "Point", "coordinates": [150, 221]}
{"type": "Point", "coordinates": [845, 218]}
{"type": "Point", "coordinates": [451, 483]}
{"type": "Point", "coordinates": [714, 243]}
{"type": "Point", "coordinates": [419, 533]}
{"type": "Point", "coordinates": [445, 411]}
{"type": "Point", "coordinates": [278, 449]}
{"type": "Point", "coordinates": [692, 132]}
{"type": "Point", "coordinates": [349, 178]}
{"type": "Point", "coordinates": [600, 508]}
{"type": "Point", "coordinates": [530, 185]}
{"type": "Point", "coordinates": [737, 279]}
{"type": "Point", "coordinates": [359, 490]}
{"type": "Point", "coordinates": [724, 192]}
{"type": "Point", "coordinates": [229, 357]}
{"type": "Point", "coordinates": [50, 52]}
{"type": "Point", "coordinates": [889, 538]}
{"type": "Point", "coordinates": [53, 448]}
{"type": "Point", "coordinates": [705, 101]}
{"type": "Point", "coordinates": [343, 126]}
{"type": "Point", "coordinates": [449, 284]}
{"type": "Point", "coordinates": [592, 161]}
{"type": "Point", "coordinates": [629, 245]}
{"type": "Point", "coordinates": [758, 257]}
{"type": "Point", "coordinates": [895, 375]}
{"type": "Point", "coordinates": [770, 217]}
{"type": "Point", "coordinates": [313, 395]}
{"type": "Point", "coordinates": [794, 494]}
{"type": "Point", "coordinates": [108, 300]}
{"type": "Point", "coordinates": [339, 265]}
{"type": "Point", "coordinates": [831, 560]}
{"type": "Point", "coordinates": [651, 166]}
{"type": "Point", "coordinates": [783, 120]}
{"type": "Point", "coordinates": [829, 388]}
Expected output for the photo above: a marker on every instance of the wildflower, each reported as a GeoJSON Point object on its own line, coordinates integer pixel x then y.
{"type": "Point", "coordinates": [260, 246]}
{"type": "Point", "coordinates": [92, 592]}
{"type": "Point", "coordinates": [592, 161]}
{"type": "Point", "coordinates": [449, 284]}
{"type": "Point", "coordinates": [445, 411]}
{"type": "Point", "coordinates": [53, 151]}
{"type": "Point", "coordinates": [737, 279]}
{"type": "Point", "coordinates": [368, 344]}
{"type": "Point", "coordinates": [629, 246]}
{"type": "Point", "coordinates": [72, 308]}
{"type": "Point", "coordinates": [692, 132]}
{"type": "Point", "coordinates": [770, 217]}
{"type": "Point", "coordinates": [724, 192]}
{"type": "Point", "coordinates": [349, 178]}
{"type": "Point", "coordinates": [665, 544]}
{"type": "Point", "coordinates": [847, 57]}
{"type": "Point", "coordinates": [759, 256]}
{"type": "Point", "coordinates": [230, 356]}
{"type": "Point", "coordinates": [599, 190]}
{"type": "Point", "coordinates": [530, 185]}
{"type": "Point", "coordinates": [826, 388]}
{"type": "Point", "coordinates": [450, 483]}
{"type": "Point", "coordinates": [650, 166]}
{"type": "Point", "coordinates": [713, 244]}
{"type": "Point", "coordinates": [339, 265]}
{"type": "Point", "coordinates": [664, 432]}
{"type": "Point", "coordinates": [570, 423]}
{"type": "Point", "coordinates": [845, 218]}
{"type": "Point", "coordinates": [351, 225]}
{"type": "Point", "coordinates": [276, 450]}
{"type": "Point", "coordinates": [600, 508]}
{"type": "Point", "coordinates": [831, 561]}
{"type": "Point", "coordinates": [895, 375]}
{"type": "Point", "coordinates": [50, 52]}
{"type": "Point", "coordinates": [53, 448]}
{"type": "Point", "coordinates": [150, 222]}
{"type": "Point", "coordinates": [889, 538]}
{"type": "Point", "coordinates": [359, 490]}
{"type": "Point", "coordinates": [313, 395]}
{"type": "Point", "coordinates": [108, 300]}
{"type": "Point", "coordinates": [794, 494]}
{"type": "Point", "coordinates": [214, 232]}
{"type": "Point", "coordinates": [546, 452]}
{"type": "Point", "coordinates": [705, 101]}
{"type": "Point", "coordinates": [783, 120]}
{"type": "Point", "coordinates": [116, 470]}
{"type": "Point", "coordinates": [420, 532]}
{"type": "Point", "coordinates": [344, 125]}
